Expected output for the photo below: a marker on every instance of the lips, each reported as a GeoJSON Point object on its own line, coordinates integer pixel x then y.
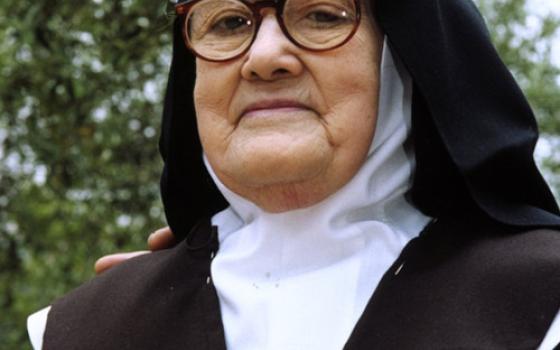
{"type": "Point", "coordinates": [272, 105]}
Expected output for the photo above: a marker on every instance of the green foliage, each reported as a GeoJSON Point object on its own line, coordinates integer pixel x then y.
{"type": "Point", "coordinates": [80, 107]}
{"type": "Point", "coordinates": [80, 103]}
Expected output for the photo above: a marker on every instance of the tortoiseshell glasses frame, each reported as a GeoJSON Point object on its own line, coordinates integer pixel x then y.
{"type": "Point", "coordinates": [183, 9]}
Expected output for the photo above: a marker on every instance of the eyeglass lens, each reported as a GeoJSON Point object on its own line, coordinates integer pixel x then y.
{"type": "Point", "coordinates": [222, 29]}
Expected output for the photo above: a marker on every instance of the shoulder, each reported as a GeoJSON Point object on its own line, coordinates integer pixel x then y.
{"type": "Point", "coordinates": [515, 271]}
{"type": "Point", "coordinates": [468, 285]}
{"type": "Point", "coordinates": [494, 247]}
{"type": "Point", "coordinates": [187, 264]}
{"type": "Point", "coordinates": [132, 305]}
{"type": "Point", "coordinates": [160, 272]}
{"type": "Point", "coordinates": [527, 261]}
{"type": "Point", "coordinates": [531, 251]}
{"type": "Point", "coordinates": [139, 272]}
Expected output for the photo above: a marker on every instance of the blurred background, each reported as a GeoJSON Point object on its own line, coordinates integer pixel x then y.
{"type": "Point", "coordinates": [81, 86]}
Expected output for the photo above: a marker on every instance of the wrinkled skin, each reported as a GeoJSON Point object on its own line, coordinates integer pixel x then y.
{"type": "Point", "coordinates": [285, 158]}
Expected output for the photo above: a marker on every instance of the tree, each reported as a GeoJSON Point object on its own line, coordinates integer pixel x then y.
{"type": "Point", "coordinates": [79, 117]}
{"type": "Point", "coordinates": [80, 106]}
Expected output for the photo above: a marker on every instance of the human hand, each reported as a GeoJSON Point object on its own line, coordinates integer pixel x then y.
{"type": "Point", "coordinates": [160, 239]}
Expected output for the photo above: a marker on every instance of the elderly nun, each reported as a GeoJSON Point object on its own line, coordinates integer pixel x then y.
{"type": "Point", "coordinates": [339, 174]}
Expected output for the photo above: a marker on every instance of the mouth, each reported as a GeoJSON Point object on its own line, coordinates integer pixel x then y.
{"type": "Point", "coordinates": [268, 107]}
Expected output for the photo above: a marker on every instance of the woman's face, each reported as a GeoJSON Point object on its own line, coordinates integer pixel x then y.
{"type": "Point", "coordinates": [285, 127]}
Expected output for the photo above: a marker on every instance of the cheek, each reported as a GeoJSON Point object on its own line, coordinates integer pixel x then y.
{"type": "Point", "coordinates": [352, 95]}
{"type": "Point", "coordinates": [214, 87]}
{"type": "Point", "coordinates": [352, 128]}
{"type": "Point", "coordinates": [352, 105]}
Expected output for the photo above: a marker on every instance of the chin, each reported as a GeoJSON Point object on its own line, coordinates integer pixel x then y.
{"type": "Point", "coordinates": [277, 182]}
{"type": "Point", "coordinates": [272, 166]}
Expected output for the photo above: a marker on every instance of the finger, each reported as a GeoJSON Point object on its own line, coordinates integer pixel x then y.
{"type": "Point", "coordinates": [108, 261]}
{"type": "Point", "coordinates": [161, 239]}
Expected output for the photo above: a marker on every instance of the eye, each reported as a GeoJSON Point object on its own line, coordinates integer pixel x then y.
{"type": "Point", "coordinates": [231, 23]}
{"type": "Point", "coordinates": [324, 17]}
{"type": "Point", "coordinates": [228, 25]}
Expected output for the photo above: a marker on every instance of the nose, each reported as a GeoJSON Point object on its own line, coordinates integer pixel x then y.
{"type": "Point", "coordinates": [272, 56]}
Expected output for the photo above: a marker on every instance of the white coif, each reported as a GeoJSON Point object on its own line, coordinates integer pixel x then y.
{"type": "Point", "coordinates": [301, 279]}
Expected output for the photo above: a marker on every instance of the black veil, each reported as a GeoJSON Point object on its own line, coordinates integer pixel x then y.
{"type": "Point", "coordinates": [474, 132]}
{"type": "Point", "coordinates": [469, 100]}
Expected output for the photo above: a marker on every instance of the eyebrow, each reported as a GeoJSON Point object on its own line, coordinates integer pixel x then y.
{"type": "Point", "coordinates": [255, 1]}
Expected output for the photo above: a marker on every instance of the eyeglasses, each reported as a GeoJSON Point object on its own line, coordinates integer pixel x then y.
{"type": "Point", "coordinates": [222, 30]}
